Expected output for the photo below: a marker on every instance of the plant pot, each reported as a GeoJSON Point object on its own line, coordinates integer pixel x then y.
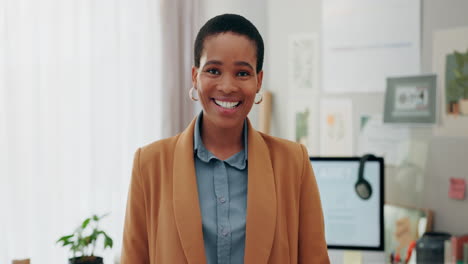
{"type": "Point", "coordinates": [463, 106]}
{"type": "Point", "coordinates": [86, 260]}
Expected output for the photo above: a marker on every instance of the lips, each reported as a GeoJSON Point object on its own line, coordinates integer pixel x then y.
{"type": "Point", "coordinates": [227, 104]}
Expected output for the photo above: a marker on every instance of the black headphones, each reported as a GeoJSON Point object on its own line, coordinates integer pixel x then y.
{"type": "Point", "coordinates": [362, 186]}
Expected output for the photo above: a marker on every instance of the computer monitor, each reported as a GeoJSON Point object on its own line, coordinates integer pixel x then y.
{"type": "Point", "coordinates": [351, 222]}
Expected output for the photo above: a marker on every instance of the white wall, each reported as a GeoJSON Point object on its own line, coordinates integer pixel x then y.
{"type": "Point", "coordinates": [255, 11]}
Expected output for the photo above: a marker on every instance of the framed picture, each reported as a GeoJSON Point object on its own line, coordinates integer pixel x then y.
{"type": "Point", "coordinates": [411, 99]}
{"type": "Point", "coordinates": [303, 121]}
{"type": "Point", "coordinates": [450, 63]}
{"type": "Point", "coordinates": [303, 62]}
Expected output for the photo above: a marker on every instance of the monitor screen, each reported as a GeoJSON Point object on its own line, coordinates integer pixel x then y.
{"type": "Point", "coordinates": [351, 222]}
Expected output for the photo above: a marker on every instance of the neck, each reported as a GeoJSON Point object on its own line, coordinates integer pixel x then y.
{"type": "Point", "coordinates": [222, 142]}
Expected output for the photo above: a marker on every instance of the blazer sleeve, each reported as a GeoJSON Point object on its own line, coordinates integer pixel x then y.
{"type": "Point", "coordinates": [312, 244]}
{"type": "Point", "coordinates": [135, 235]}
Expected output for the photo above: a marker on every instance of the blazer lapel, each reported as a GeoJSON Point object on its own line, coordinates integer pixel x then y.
{"type": "Point", "coordinates": [261, 201]}
{"type": "Point", "coordinates": [186, 205]}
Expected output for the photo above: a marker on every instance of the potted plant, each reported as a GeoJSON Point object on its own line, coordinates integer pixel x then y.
{"type": "Point", "coordinates": [83, 241]}
{"type": "Point", "coordinates": [458, 86]}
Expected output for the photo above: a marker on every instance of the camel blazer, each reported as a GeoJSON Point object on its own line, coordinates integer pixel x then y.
{"type": "Point", "coordinates": [163, 222]}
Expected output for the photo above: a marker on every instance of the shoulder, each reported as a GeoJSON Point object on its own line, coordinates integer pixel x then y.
{"type": "Point", "coordinates": [290, 160]}
{"type": "Point", "coordinates": [285, 149]}
{"type": "Point", "coordinates": [157, 150]}
{"type": "Point", "coordinates": [276, 144]}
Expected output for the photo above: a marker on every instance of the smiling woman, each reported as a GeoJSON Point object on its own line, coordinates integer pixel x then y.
{"type": "Point", "coordinates": [227, 82]}
{"type": "Point", "coordinates": [221, 192]}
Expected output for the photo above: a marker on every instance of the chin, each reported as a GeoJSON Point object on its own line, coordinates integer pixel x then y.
{"type": "Point", "coordinates": [227, 122]}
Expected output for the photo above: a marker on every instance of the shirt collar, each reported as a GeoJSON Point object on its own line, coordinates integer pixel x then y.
{"type": "Point", "coordinates": [237, 160]}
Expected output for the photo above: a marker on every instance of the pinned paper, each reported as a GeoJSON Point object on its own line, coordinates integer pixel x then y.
{"type": "Point", "coordinates": [457, 188]}
{"type": "Point", "coordinates": [403, 232]}
{"type": "Point", "coordinates": [352, 257]}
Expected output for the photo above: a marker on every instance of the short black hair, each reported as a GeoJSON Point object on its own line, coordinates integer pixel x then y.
{"type": "Point", "coordinates": [229, 23]}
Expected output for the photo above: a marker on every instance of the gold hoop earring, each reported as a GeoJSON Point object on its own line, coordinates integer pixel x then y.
{"type": "Point", "coordinates": [191, 94]}
{"type": "Point", "coordinates": [258, 95]}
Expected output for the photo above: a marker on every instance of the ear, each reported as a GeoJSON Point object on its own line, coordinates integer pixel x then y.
{"type": "Point", "coordinates": [259, 80]}
{"type": "Point", "coordinates": [194, 76]}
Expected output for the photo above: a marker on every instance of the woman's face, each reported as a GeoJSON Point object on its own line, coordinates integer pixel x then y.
{"type": "Point", "coordinates": [227, 80]}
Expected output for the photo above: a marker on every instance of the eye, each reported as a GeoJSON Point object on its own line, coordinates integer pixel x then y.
{"type": "Point", "coordinates": [213, 71]}
{"type": "Point", "coordinates": [243, 74]}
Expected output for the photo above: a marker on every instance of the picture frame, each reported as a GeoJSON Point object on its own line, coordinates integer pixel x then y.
{"type": "Point", "coordinates": [411, 99]}
{"type": "Point", "coordinates": [451, 121]}
{"type": "Point", "coordinates": [303, 52]}
{"type": "Point", "coordinates": [303, 120]}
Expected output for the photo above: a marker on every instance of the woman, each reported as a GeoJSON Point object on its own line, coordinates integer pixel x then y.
{"type": "Point", "coordinates": [221, 192]}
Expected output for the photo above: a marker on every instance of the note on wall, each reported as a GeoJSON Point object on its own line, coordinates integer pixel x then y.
{"type": "Point", "coordinates": [457, 188]}
{"type": "Point", "coordinates": [336, 131]}
{"type": "Point", "coordinates": [381, 139]}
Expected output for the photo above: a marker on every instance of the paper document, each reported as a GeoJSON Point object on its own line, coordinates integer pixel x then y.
{"type": "Point", "coordinates": [387, 141]}
{"type": "Point", "coordinates": [336, 130]}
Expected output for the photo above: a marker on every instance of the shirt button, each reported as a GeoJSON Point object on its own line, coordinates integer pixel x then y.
{"type": "Point", "coordinates": [222, 199]}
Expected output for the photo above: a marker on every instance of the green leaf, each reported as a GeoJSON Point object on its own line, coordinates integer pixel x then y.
{"type": "Point", "coordinates": [64, 238]}
{"type": "Point", "coordinates": [108, 242]}
{"type": "Point", "coordinates": [460, 82]}
{"type": "Point", "coordinates": [458, 73]}
{"type": "Point", "coordinates": [67, 243]}
{"type": "Point", "coordinates": [86, 241]}
{"type": "Point", "coordinates": [85, 223]}
{"type": "Point", "coordinates": [459, 58]}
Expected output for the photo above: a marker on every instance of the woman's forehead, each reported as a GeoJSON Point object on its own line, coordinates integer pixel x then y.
{"type": "Point", "coordinates": [228, 46]}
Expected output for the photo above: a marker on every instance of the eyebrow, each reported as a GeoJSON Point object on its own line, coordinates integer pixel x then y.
{"type": "Point", "coordinates": [237, 63]}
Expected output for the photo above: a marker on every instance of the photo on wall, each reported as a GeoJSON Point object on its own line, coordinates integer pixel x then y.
{"type": "Point", "coordinates": [411, 99]}
{"type": "Point", "coordinates": [303, 62]}
{"type": "Point", "coordinates": [302, 126]}
{"type": "Point", "coordinates": [451, 113]}
{"type": "Point", "coordinates": [336, 127]}
{"type": "Point", "coordinates": [456, 83]}
{"type": "Point", "coordinates": [303, 121]}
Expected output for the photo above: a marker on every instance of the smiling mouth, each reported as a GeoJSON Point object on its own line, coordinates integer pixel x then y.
{"type": "Point", "coordinates": [227, 105]}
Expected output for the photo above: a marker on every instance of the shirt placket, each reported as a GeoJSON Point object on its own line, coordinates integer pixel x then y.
{"type": "Point", "coordinates": [222, 205]}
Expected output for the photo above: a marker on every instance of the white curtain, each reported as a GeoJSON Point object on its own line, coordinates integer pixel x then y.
{"type": "Point", "coordinates": [80, 90]}
{"type": "Point", "coordinates": [181, 23]}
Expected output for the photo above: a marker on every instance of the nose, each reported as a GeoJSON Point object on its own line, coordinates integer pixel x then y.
{"type": "Point", "coordinates": [227, 84]}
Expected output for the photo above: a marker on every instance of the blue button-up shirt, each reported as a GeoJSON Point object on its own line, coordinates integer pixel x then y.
{"type": "Point", "coordinates": [222, 192]}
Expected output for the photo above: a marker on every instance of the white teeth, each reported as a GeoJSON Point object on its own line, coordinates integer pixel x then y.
{"type": "Point", "coordinates": [228, 105]}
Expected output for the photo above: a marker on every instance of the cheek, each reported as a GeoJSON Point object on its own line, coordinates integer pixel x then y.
{"type": "Point", "coordinates": [250, 92]}
{"type": "Point", "coordinates": [204, 92]}
{"type": "Point", "coordinates": [203, 86]}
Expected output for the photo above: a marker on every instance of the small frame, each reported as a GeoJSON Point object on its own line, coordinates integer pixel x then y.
{"type": "Point", "coordinates": [411, 99]}
{"type": "Point", "coordinates": [303, 62]}
{"type": "Point", "coordinates": [302, 122]}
